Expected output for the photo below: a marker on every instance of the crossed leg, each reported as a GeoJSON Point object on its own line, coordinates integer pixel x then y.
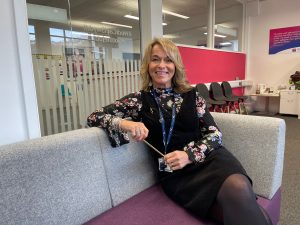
{"type": "Point", "coordinates": [238, 203]}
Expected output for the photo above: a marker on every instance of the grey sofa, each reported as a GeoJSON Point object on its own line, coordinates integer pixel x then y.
{"type": "Point", "coordinates": [77, 178]}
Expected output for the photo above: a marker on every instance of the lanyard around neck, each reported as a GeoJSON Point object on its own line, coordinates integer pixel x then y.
{"type": "Point", "coordinates": [166, 138]}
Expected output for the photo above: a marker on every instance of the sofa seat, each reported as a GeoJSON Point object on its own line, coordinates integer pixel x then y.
{"type": "Point", "coordinates": [147, 208]}
{"type": "Point", "coordinates": [152, 205]}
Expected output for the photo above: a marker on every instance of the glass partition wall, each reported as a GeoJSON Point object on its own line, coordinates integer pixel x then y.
{"type": "Point", "coordinates": [86, 54]}
{"type": "Point", "coordinates": [228, 25]}
{"type": "Point", "coordinates": [187, 22]}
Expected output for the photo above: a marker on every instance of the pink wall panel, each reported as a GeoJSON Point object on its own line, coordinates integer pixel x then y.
{"type": "Point", "coordinates": [206, 66]}
{"type": "Point", "coordinates": [238, 91]}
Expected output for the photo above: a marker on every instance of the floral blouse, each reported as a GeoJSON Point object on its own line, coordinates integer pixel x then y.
{"type": "Point", "coordinates": [131, 105]}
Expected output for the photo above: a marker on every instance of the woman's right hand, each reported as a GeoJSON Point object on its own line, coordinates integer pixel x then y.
{"type": "Point", "coordinates": [137, 129]}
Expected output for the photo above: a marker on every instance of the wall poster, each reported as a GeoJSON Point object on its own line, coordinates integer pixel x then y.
{"type": "Point", "coordinates": [284, 40]}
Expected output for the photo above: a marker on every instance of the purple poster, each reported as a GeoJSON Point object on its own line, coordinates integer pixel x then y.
{"type": "Point", "coordinates": [284, 40]}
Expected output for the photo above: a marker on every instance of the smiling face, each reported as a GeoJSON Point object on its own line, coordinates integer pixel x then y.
{"type": "Point", "coordinates": [161, 68]}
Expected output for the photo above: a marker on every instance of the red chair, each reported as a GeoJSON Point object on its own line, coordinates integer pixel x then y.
{"type": "Point", "coordinates": [204, 92]}
{"type": "Point", "coordinates": [227, 90]}
{"type": "Point", "coordinates": [217, 94]}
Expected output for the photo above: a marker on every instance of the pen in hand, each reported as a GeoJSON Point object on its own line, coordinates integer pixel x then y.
{"type": "Point", "coordinates": [152, 147]}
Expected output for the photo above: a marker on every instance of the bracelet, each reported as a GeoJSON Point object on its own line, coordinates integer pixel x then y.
{"type": "Point", "coordinates": [115, 123]}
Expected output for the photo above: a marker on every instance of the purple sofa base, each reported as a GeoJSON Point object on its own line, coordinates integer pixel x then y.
{"type": "Point", "coordinates": [272, 206]}
{"type": "Point", "coordinates": [153, 207]}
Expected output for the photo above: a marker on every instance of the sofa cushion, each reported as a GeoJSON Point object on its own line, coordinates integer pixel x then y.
{"type": "Point", "coordinates": [58, 179]}
{"type": "Point", "coordinates": [129, 168]}
{"type": "Point", "coordinates": [151, 207]}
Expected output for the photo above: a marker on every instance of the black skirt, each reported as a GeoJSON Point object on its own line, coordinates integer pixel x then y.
{"type": "Point", "coordinates": [195, 187]}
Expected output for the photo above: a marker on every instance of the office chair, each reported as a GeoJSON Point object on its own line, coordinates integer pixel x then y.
{"type": "Point", "coordinates": [204, 92]}
{"type": "Point", "coordinates": [227, 89]}
{"type": "Point", "coordinates": [217, 94]}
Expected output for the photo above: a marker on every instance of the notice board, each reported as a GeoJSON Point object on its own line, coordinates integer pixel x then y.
{"type": "Point", "coordinates": [207, 65]}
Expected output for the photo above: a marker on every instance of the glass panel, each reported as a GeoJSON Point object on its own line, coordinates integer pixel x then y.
{"type": "Point", "coordinates": [56, 32]}
{"type": "Point", "coordinates": [31, 29]}
{"type": "Point", "coordinates": [31, 32]}
{"type": "Point", "coordinates": [228, 25]}
{"type": "Point", "coordinates": [193, 30]}
{"type": "Point", "coordinates": [189, 30]}
{"type": "Point", "coordinates": [77, 34]}
{"type": "Point", "coordinates": [85, 54]}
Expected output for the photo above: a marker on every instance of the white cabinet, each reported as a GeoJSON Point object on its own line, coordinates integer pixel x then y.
{"type": "Point", "coordinates": [290, 102]}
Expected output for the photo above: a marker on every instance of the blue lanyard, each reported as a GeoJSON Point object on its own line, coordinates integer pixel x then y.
{"type": "Point", "coordinates": [166, 140]}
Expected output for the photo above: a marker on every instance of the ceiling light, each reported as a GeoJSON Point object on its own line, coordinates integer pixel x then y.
{"type": "Point", "coordinates": [116, 24]}
{"type": "Point", "coordinates": [217, 35]}
{"type": "Point", "coordinates": [175, 14]}
{"type": "Point", "coordinates": [170, 36]}
{"type": "Point", "coordinates": [137, 18]}
{"type": "Point", "coordinates": [132, 17]}
{"type": "Point", "coordinates": [225, 43]}
{"type": "Point", "coordinates": [221, 36]}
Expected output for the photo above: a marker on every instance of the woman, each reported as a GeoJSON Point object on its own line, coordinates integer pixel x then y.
{"type": "Point", "coordinates": [196, 169]}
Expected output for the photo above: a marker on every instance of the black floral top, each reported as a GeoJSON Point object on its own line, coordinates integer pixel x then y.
{"type": "Point", "coordinates": [131, 106]}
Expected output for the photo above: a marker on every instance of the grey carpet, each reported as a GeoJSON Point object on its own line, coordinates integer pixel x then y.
{"type": "Point", "coordinates": [290, 199]}
{"type": "Point", "coordinates": [290, 204]}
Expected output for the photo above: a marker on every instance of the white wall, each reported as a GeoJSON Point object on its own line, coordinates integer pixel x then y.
{"type": "Point", "coordinates": [18, 115]}
{"type": "Point", "coordinates": [275, 69]}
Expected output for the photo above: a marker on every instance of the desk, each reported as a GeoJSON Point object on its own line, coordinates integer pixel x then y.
{"type": "Point", "coordinates": [267, 96]}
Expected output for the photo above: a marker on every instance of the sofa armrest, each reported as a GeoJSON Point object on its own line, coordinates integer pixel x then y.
{"type": "Point", "coordinates": [56, 179]}
{"type": "Point", "coordinates": [258, 142]}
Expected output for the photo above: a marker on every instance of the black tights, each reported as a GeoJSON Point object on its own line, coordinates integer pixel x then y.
{"type": "Point", "coordinates": [238, 203]}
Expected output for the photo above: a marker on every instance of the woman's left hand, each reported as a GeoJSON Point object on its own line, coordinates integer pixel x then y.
{"type": "Point", "coordinates": [177, 159]}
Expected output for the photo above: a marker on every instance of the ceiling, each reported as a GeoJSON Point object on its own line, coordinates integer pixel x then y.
{"type": "Point", "coordinates": [96, 11]}
{"type": "Point", "coordinates": [114, 10]}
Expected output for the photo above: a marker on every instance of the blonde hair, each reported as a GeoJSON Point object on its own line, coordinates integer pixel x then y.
{"type": "Point", "coordinates": [179, 80]}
